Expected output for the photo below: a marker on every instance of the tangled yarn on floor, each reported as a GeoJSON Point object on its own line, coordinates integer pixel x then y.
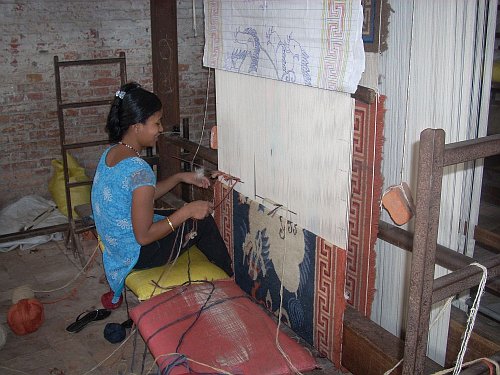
{"type": "Point", "coordinates": [26, 316]}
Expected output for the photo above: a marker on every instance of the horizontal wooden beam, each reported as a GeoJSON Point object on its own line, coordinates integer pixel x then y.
{"type": "Point", "coordinates": [368, 349]}
{"type": "Point", "coordinates": [403, 239]}
{"type": "Point", "coordinates": [202, 152]}
{"type": "Point", "coordinates": [487, 238]}
{"type": "Point", "coordinates": [463, 279]}
{"type": "Point", "coordinates": [477, 148]}
{"type": "Point", "coordinates": [33, 232]}
{"type": "Point", "coordinates": [445, 257]}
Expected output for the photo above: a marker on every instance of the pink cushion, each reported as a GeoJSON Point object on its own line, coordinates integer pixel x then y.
{"type": "Point", "coordinates": [232, 333]}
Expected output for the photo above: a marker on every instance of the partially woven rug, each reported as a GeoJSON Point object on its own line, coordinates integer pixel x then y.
{"type": "Point", "coordinates": [269, 252]}
{"type": "Point", "coordinates": [366, 191]}
{"type": "Point", "coordinates": [319, 278]}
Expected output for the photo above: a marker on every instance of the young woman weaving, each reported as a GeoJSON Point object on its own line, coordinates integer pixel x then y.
{"type": "Point", "coordinates": [124, 191]}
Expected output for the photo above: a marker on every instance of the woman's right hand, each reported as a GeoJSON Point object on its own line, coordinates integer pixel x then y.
{"type": "Point", "coordinates": [199, 209]}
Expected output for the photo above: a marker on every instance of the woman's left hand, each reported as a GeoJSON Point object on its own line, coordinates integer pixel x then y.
{"type": "Point", "coordinates": [193, 178]}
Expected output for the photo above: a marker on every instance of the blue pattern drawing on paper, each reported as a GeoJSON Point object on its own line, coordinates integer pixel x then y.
{"type": "Point", "coordinates": [306, 43]}
{"type": "Point", "coordinates": [286, 56]}
{"type": "Point", "coordinates": [248, 38]}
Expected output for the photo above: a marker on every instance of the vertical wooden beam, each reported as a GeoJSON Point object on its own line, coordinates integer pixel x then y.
{"type": "Point", "coordinates": [430, 176]}
{"type": "Point", "coordinates": [164, 55]}
{"type": "Point", "coordinates": [166, 78]}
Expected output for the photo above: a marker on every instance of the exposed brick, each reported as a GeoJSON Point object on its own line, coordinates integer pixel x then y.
{"type": "Point", "coordinates": [104, 82]}
{"type": "Point", "coordinates": [72, 55]}
{"type": "Point", "coordinates": [199, 101]}
{"type": "Point", "coordinates": [35, 95]}
{"type": "Point", "coordinates": [34, 77]}
{"type": "Point", "coordinates": [84, 30]}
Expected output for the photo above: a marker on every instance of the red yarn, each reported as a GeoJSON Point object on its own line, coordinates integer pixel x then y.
{"type": "Point", "coordinates": [106, 301]}
{"type": "Point", "coordinates": [26, 316]}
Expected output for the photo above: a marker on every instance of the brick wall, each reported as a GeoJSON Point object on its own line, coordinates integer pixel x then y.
{"type": "Point", "coordinates": [193, 75]}
{"type": "Point", "coordinates": [32, 33]}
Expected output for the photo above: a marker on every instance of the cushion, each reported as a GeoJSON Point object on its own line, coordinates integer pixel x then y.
{"type": "Point", "coordinates": [79, 194]}
{"type": "Point", "coordinates": [215, 326]}
{"type": "Point", "coordinates": [142, 282]}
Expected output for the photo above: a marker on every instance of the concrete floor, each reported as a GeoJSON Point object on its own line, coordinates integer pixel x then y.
{"type": "Point", "coordinates": [51, 350]}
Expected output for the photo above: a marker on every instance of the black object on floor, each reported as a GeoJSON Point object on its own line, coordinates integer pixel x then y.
{"type": "Point", "coordinates": [127, 323]}
{"type": "Point", "coordinates": [82, 321]}
{"type": "Point", "coordinates": [114, 332]}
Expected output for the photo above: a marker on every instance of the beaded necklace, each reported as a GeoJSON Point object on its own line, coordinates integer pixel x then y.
{"type": "Point", "coordinates": [130, 147]}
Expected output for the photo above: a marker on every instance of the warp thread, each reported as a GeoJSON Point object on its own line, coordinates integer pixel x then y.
{"type": "Point", "coordinates": [26, 316]}
{"type": "Point", "coordinates": [472, 318]}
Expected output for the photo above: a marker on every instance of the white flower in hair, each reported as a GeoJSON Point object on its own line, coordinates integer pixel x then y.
{"type": "Point", "coordinates": [120, 94]}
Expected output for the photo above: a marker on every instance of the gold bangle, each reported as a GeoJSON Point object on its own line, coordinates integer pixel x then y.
{"type": "Point", "coordinates": [170, 223]}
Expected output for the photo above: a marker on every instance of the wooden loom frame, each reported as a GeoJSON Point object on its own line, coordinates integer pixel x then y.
{"type": "Point", "coordinates": [424, 290]}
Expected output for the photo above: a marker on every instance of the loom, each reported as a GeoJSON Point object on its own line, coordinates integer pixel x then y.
{"type": "Point", "coordinates": [287, 226]}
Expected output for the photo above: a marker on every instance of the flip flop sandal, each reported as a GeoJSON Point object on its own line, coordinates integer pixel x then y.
{"type": "Point", "coordinates": [82, 321]}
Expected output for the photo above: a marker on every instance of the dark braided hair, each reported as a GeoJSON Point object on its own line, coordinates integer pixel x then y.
{"type": "Point", "coordinates": [135, 106]}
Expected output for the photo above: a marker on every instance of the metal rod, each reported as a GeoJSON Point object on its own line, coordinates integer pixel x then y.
{"type": "Point", "coordinates": [278, 206]}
